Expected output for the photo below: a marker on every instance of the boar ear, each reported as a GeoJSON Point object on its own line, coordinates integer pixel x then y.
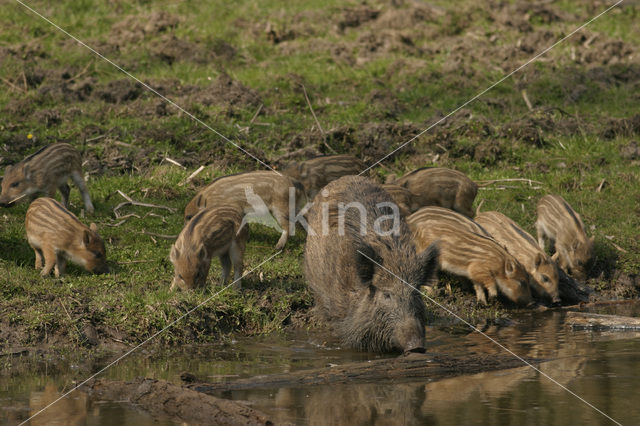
{"type": "Point", "coordinates": [93, 227]}
{"type": "Point", "coordinates": [26, 172]}
{"type": "Point", "coordinates": [365, 262]}
{"type": "Point", "coordinates": [428, 261]}
{"type": "Point", "coordinates": [174, 254]}
{"type": "Point", "coordinates": [86, 237]}
{"type": "Point", "coordinates": [539, 260]}
{"type": "Point", "coordinates": [202, 253]}
{"type": "Point", "coordinates": [509, 267]}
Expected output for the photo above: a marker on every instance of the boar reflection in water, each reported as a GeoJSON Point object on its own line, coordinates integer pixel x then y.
{"type": "Point", "coordinates": [367, 306]}
{"type": "Point", "coordinates": [56, 234]}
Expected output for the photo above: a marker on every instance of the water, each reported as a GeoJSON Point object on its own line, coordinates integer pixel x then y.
{"type": "Point", "coordinates": [603, 368]}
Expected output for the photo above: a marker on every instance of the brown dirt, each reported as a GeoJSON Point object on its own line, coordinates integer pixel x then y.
{"type": "Point", "coordinates": [622, 127]}
{"type": "Point", "coordinates": [354, 17]}
{"type": "Point", "coordinates": [134, 28]}
{"type": "Point", "coordinates": [630, 151]}
{"type": "Point", "coordinates": [166, 400]}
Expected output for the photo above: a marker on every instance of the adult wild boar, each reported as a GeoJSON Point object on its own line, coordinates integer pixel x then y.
{"type": "Point", "coordinates": [363, 269]}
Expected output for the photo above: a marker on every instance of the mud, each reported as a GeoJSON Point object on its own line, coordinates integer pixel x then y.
{"type": "Point", "coordinates": [166, 400]}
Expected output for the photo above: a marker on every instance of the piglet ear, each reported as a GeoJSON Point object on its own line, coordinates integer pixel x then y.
{"type": "Point", "coordinates": [509, 267]}
{"type": "Point", "coordinates": [539, 259]}
{"type": "Point", "coordinates": [174, 254]}
{"type": "Point", "coordinates": [26, 172]}
{"type": "Point", "coordinates": [366, 259]}
{"type": "Point", "coordinates": [93, 227]}
{"type": "Point", "coordinates": [86, 237]}
{"type": "Point", "coordinates": [428, 261]}
{"type": "Point", "coordinates": [202, 253]}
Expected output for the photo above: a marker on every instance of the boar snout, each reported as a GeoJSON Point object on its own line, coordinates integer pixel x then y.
{"type": "Point", "coordinates": [409, 337]}
{"type": "Point", "coordinates": [101, 269]}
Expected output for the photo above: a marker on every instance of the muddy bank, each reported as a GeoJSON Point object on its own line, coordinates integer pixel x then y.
{"type": "Point", "coordinates": [163, 399]}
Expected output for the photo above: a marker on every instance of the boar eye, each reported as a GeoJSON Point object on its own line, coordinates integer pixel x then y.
{"type": "Point", "coordinates": [545, 279]}
{"type": "Point", "coordinates": [387, 295]}
{"type": "Point", "coordinates": [14, 184]}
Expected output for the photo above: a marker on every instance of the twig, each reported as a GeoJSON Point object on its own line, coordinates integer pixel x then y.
{"type": "Point", "coordinates": [304, 89]}
{"type": "Point", "coordinates": [84, 70]}
{"type": "Point", "coordinates": [155, 215]}
{"type": "Point", "coordinates": [24, 81]}
{"type": "Point", "coordinates": [602, 183]}
{"type": "Point", "coordinates": [124, 219]}
{"type": "Point", "coordinates": [95, 138]}
{"type": "Point", "coordinates": [20, 89]}
{"type": "Point", "coordinates": [561, 145]}
{"type": "Point", "coordinates": [590, 40]}
{"type": "Point", "coordinates": [174, 162]}
{"type": "Point", "coordinates": [256, 114]}
{"type": "Point", "coordinates": [139, 204]}
{"type": "Point", "coordinates": [191, 176]}
{"type": "Point", "coordinates": [135, 261]}
{"type": "Point", "coordinates": [324, 142]}
{"type": "Point", "coordinates": [482, 183]}
{"type": "Point", "coordinates": [166, 237]}
{"type": "Point", "coordinates": [526, 99]}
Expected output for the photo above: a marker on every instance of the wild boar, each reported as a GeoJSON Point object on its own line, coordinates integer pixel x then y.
{"type": "Point", "coordinates": [433, 213]}
{"type": "Point", "coordinates": [268, 189]}
{"type": "Point", "coordinates": [363, 269]}
{"type": "Point", "coordinates": [472, 255]}
{"type": "Point", "coordinates": [439, 186]}
{"type": "Point", "coordinates": [211, 232]}
{"type": "Point", "coordinates": [401, 196]}
{"type": "Point", "coordinates": [44, 172]}
{"type": "Point", "coordinates": [317, 172]}
{"type": "Point", "coordinates": [562, 226]}
{"type": "Point", "coordinates": [524, 248]}
{"type": "Point", "coordinates": [56, 234]}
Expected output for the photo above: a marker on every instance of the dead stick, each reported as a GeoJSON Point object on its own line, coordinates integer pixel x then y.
{"type": "Point", "coordinates": [152, 234]}
{"type": "Point", "coordinates": [192, 175]}
{"type": "Point", "coordinates": [324, 142]}
{"type": "Point", "coordinates": [526, 99]}
{"type": "Point", "coordinates": [256, 114]}
{"type": "Point", "coordinates": [482, 183]}
{"type": "Point", "coordinates": [12, 85]}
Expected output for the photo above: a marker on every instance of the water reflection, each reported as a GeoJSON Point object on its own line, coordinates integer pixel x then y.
{"type": "Point", "coordinates": [603, 368]}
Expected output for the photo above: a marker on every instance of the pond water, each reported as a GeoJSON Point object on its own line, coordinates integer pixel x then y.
{"type": "Point", "coordinates": [601, 367]}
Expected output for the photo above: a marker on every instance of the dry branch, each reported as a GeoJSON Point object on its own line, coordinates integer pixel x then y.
{"type": "Point", "coordinates": [191, 176]}
{"type": "Point", "coordinates": [413, 367]}
{"type": "Point", "coordinates": [483, 183]}
{"type": "Point", "coordinates": [131, 202]}
{"type": "Point", "coordinates": [165, 236]}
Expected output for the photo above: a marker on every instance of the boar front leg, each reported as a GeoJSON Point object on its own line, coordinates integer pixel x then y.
{"type": "Point", "coordinates": [79, 181]}
{"type": "Point", "coordinates": [38, 258]}
{"type": "Point", "coordinates": [480, 296]}
{"type": "Point", "coordinates": [64, 190]}
{"type": "Point", "coordinates": [236, 254]}
{"type": "Point", "coordinates": [61, 265]}
{"type": "Point", "coordinates": [283, 221]}
{"type": "Point", "coordinates": [225, 261]}
{"type": "Point", "coordinates": [49, 255]}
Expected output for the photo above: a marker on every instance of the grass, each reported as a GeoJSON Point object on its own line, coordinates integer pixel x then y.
{"type": "Point", "coordinates": [378, 71]}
